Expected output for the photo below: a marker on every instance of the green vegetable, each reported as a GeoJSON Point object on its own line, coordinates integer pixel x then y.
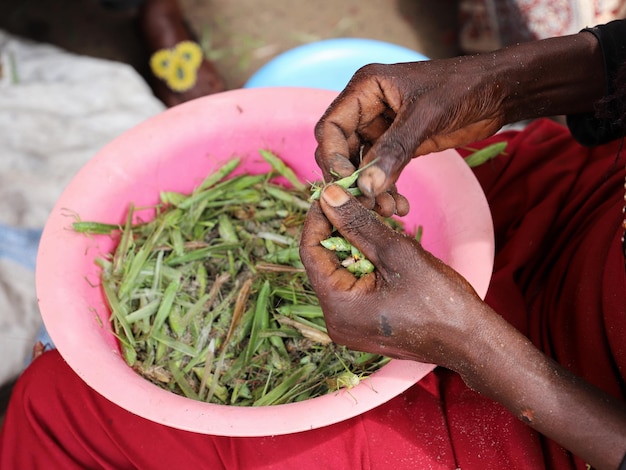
{"type": "Point", "coordinates": [210, 300]}
{"type": "Point", "coordinates": [347, 183]}
{"type": "Point", "coordinates": [478, 157]}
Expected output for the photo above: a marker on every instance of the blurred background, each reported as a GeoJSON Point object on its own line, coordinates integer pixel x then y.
{"type": "Point", "coordinates": [239, 35]}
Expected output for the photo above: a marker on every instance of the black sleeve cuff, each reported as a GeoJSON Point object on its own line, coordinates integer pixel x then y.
{"type": "Point", "coordinates": [587, 128]}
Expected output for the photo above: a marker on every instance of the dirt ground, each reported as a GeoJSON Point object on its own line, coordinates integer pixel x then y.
{"type": "Point", "coordinates": [240, 35]}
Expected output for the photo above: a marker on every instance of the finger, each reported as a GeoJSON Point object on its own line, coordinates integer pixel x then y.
{"type": "Point", "coordinates": [334, 166]}
{"type": "Point", "coordinates": [333, 132]}
{"type": "Point", "coordinates": [402, 204]}
{"type": "Point", "coordinates": [322, 265]}
{"type": "Point", "coordinates": [392, 152]}
{"type": "Point", "coordinates": [338, 132]}
{"type": "Point", "coordinates": [366, 201]}
{"type": "Point", "coordinates": [333, 154]}
{"type": "Point", "coordinates": [385, 205]}
{"type": "Point", "coordinates": [360, 226]}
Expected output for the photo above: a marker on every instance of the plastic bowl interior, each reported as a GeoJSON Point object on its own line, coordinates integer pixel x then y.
{"type": "Point", "coordinates": [174, 151]}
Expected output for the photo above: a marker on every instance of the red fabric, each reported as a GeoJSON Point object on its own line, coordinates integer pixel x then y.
{"type": "Point", "coordinates": [559, 277]}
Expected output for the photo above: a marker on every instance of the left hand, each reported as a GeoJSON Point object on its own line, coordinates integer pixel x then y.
{"type": "Point", "coordinates": [413, 306]}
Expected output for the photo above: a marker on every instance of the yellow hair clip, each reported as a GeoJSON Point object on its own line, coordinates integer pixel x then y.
{"type": "Point", "coordinates": [178, 66]}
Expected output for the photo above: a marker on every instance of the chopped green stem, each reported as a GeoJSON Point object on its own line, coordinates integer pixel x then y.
{"type": "Point", "coordinates": [346, 182]}
{"type": "Point", "coordinates": [282, 169]}
{"type": "Point", "coordinates": [478, 157]}
{"type": "Point", "coordinates": [94, 228]}
{"type": "Point", "coordinates": [210, 299]}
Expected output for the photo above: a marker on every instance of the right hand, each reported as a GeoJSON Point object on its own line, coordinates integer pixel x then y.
{"type": "Point", "coordinates": [392, 113]}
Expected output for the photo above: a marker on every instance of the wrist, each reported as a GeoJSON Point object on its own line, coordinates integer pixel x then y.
{"type": "Point", "coordinates": [490, 354]}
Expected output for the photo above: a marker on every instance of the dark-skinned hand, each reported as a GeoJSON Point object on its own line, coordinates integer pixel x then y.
{"type": "Point", "coordinates": [412, 306]}
{"type": "Point", "coordinates": [389, 114]}
{"type": "Point", "coordinates": [415, 307]}
{"type": "Point", "coordinates": [396, 112]}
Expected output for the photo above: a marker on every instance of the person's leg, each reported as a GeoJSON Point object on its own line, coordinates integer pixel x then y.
{"type": "Point", "coordinates": [55, 420]}
{"type": "Point", "coordinates": [180, 73]}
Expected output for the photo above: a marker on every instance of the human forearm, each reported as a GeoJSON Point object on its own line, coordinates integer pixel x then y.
{"type": "Point", "coordinates": [415, 307]}
{"type": "Point", "coordinates": [563, 75]}
{"type": "Point", "coordinates": [546, 396]}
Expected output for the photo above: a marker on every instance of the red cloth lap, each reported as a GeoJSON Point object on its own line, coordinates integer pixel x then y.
{"type": "Point", "coordinates": [559, 269]}
{"type": "Point", "coordinates": [559, 278]}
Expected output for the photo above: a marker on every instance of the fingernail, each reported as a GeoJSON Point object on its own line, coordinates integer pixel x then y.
{"type": "Point", "coordinates": [334, 195]}
{"type": "Point", "coordinates": [372, 179]}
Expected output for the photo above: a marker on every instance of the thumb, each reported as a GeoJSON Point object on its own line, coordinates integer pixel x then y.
{"type": "Point", "coordinates": [361, 227]}
{"type": "Point", "coordinates": [390, 154]}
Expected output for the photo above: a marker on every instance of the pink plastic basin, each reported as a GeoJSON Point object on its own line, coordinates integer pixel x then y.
{"type": "Point", "coordinates": [174, 151]}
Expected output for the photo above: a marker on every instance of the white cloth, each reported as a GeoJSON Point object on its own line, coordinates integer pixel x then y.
{"type": "Point", "coordinates": [57, 109]}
